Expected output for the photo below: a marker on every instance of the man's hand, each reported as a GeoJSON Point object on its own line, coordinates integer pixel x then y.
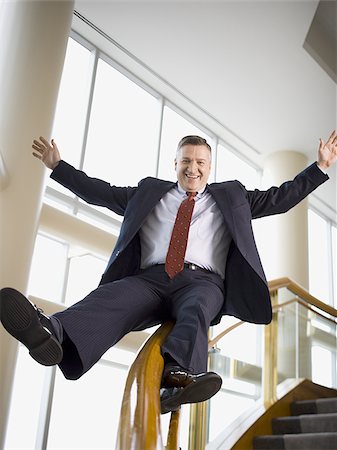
{"type": "Point", "coordinates": [327, 152]}
{"type": "Point", "coordinates": [47, 153]}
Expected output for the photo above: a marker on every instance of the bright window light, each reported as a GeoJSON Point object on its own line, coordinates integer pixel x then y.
{"type": "Point", "coordinates": [124, 130]}
{"type": "Point", "coordinates": [85, 413]}
{"type": "Point", "coordinates": [231, 167]}
{"type": "Point", "coordinates": [85, 271]}
{"type": "Point", "coordinates": [72, 105]}
{"type": "Point", "coordinates": [48, 268]}
{"type": "Point", "coordinates": [319, 282]}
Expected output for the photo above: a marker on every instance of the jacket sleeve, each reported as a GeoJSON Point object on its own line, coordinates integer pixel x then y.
{"type": "Point", "coordinates": [280, 199]}
{"type": "Point", "coordinates": [92, 190]}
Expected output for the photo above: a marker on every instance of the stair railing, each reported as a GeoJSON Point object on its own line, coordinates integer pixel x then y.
{"type": "Point", "coordinates": [139, 426]}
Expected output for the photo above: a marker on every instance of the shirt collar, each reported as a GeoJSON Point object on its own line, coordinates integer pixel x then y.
{"type": "Point", "coordinates": [183, 192]}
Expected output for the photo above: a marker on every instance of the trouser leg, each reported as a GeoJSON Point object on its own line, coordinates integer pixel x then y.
{"type": "Point", "coordinates": [193, 307]}
{"type": "Point", "coordinates": [102, 318]}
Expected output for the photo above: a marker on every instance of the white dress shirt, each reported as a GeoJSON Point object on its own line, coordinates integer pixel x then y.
{"type": "Point", "coordinates": [208, 240]}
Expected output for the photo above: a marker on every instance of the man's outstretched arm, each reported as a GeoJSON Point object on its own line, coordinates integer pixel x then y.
{"type": "Point", "coordinates": [92, 190]}
{"type": "Point", "coordinates": [277, 200]}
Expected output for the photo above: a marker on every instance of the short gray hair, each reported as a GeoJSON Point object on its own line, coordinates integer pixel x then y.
{"type": "Point", "coordinates": [193, 140]}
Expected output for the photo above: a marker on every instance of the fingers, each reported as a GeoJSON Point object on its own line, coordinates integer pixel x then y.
{"type": "Point", "coordinates": [333, 138]}
{"type": "Point", "coordinates": [38, 149]}
{"type": "Point", "coordinates": [44, 141]}
{"type": "Point", "coordinates": [42, 145]}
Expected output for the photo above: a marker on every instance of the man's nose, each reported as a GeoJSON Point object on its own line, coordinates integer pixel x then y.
{"type": "Point", "coordinates": [192, 167]}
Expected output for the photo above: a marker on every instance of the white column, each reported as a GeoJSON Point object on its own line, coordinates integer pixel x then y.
{"type": "Point", "coordinates": [284, 253]}
{"type": "Point", "coordinates": [284, 238]}
{"type": "Point", "coordinates": [33, 43]}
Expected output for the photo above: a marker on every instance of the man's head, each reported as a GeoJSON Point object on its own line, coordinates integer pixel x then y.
{"type": "Point", "coordinates": [193, 163]}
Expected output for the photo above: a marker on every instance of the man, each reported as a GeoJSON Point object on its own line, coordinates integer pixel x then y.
{"type": "Point", "coordinates": [185, 252]}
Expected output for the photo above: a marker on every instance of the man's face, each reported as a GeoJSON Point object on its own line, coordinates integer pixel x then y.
{"type": "Point", "coordinates": [193, 166]}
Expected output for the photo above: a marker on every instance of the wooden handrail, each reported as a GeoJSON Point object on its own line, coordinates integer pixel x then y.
{"type": "Point", "coordinates": [215, 340]}
{"type": "Point", "coordinates": [295, 288]}
{"type": "Point", "coordinates": [139, 425]}
{"type": "Point", "coordinates": [307, 299]}
{"type": "Point", "coordinates": [305, 305]}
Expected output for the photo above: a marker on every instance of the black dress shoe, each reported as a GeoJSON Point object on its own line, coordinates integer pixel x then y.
{"type": "Point", "coordinates": [29, 325]}
{"type": "Point", "coordinates": [180, 387]}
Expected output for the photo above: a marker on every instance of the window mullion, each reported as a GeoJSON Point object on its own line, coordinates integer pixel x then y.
{"type": "Point", "coordinates": [94, 54]}
{"type": "Point", "coordinates": [160, 132]}
{"type": "Point", "coordinates": [89, 106]}
{"type": "Point", "coordinates": [45, 409]}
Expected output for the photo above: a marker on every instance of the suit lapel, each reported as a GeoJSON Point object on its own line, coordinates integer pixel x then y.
{"type": "Point", "coordinates": [222, 200]}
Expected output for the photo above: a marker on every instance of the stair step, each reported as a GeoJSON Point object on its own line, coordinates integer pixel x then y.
{"type": "Point", "coordinates": [320, 405]}
{"type": "Point", "coordinates": [303, 441]}
{"type": "Point", "coordinates": [268, 443]}
{"type": "Point", "coordinates": [307, 423]}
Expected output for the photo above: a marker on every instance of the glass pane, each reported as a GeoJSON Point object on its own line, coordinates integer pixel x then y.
{"type": "Point", "coordinates": [25, 403]}
{"type": "Point", "coordinates": [123, 131]}
{"type": "Point", "coordinates": [238, 360]}
{"type": "Point", "coordinates": [224, 409]}
{"type": "Point", "coordinates": [234, 344]}
{"type": "Point", "coordinates": [48, 268]}
{"type": "Point", "coordinates": [231, 167]}
{"type": "Point", "coordinates": [71, 106]}
{"type": "Point", "coordinates": [321, 366]}
{"type": "Point", "coordinates": [85, 412]}
{"type": "Point", "coordinates": [306, 344]}
{"type": "Point", "coordinates": [319, 282]}
{"type": "Point", "coordinates": [287, 343]}
{"type": "Point", "coordinates": [174, 128]}
{"type": "Point", "coordinates": [85, 272]}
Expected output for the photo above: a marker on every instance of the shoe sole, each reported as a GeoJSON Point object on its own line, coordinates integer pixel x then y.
{"type": "Point", "coordinates": [199, 391]}
{"type": "Point", "coordinates": [20, 319]}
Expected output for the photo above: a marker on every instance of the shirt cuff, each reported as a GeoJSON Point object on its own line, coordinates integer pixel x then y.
{"type": "Point", "coordinates": [320, 168]}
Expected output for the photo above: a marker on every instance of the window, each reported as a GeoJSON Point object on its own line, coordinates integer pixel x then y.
{"type": "Point", "coordinates": [84, 274]}
{"type": "Point", "coordinates": [85, 413]}
{"type": "Point", "coordinates": [47, 276]}
{"type": "Point", "coordinates": [231, 167]}
{"type": "Point", "coordinates": [124, 128]}
{"type": "Point", "coordinates": [322, 258]}
{"type": "Point", "coordinates": [322, 365]}
{"type": "Point", "coordinates": [72, 102]}
{"type": "Point", "coordinates": [24, 415]}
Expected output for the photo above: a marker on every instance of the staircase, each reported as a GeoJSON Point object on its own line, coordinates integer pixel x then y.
{"type": "Point", "coordinates": [312, 426]}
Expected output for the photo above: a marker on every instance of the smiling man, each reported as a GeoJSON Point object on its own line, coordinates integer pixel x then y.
{"type": "Point", "coordinates": [185, 252]}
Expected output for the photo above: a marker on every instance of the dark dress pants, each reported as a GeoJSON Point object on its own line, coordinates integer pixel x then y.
{"type": "Point", "coordinates": [192, 299]}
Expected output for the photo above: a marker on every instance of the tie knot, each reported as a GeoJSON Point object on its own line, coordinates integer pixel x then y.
{"type": "Point", "coordinates": [191, 195]}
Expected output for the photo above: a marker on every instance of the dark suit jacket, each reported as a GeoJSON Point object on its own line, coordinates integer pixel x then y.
{"type": "Point", "coordinates": [246, 290]}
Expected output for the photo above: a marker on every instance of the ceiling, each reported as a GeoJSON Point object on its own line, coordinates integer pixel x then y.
{"type": "Point", "coordinates": [252, 65]}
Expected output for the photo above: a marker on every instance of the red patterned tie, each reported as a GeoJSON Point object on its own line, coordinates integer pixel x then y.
{"type": "Point", "coordinates": [175, 257]}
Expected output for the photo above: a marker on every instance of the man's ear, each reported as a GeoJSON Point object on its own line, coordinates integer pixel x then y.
{"type": "Point", "coordinates": [175, 163]}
